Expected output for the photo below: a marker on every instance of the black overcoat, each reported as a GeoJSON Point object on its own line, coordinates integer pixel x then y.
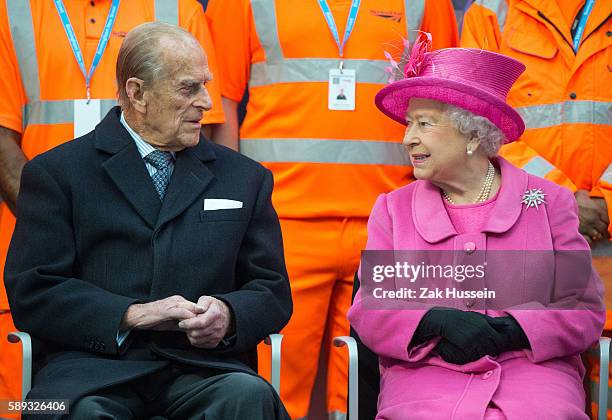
{"type": "Point", "coordinates": [92, 237]}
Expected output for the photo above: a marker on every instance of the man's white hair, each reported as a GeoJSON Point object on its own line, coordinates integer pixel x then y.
{"type": "Point", "coordinates": [142, 54]}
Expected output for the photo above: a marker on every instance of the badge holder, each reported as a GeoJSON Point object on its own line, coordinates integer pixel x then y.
{"type": "Point", "coordinates": [341, 89]}
{"type": "Point", "coordinates": [86, 116]}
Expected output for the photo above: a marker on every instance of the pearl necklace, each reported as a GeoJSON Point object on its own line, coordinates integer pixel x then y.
{"type": "Point", "coordinates": [485, 191]}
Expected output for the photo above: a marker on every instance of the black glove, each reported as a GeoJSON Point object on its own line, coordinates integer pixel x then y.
{"type": "Point", "coordinates": [453, 354]}
{"type": "Point", "coordinates": [515, 338]}
{"type": "Point", "coordinates": [513, 334]}
{"type": "Point", "coordinates": [466, 336]}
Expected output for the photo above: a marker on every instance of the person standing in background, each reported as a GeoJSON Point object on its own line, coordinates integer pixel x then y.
{"type": "Point", "coordinates": [330, 157]}
{"type": "Point", "coordinates": [564, 94]}
{"type": "Point", "coordinates": [565, 99]}
{"type": "Point", "coordinates": [52, 91]}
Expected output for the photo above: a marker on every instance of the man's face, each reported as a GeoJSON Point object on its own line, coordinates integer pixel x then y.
{"type": "Point", "coordinates": [175, 104]}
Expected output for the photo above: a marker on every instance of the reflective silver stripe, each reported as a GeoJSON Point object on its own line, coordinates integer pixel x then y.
{"type": "Point", "coordinates": [167, 11]}
{"type": "Point", "coordinates": [325, 151]}
{"type": "Point", "coordinates": [264, 15]}
{"type": "Point", "coordinates": [602, 249]}
{"type": "Point", "coordinates": [414, 10]}
{"type": "Point", "coordinates": [336, 415]}
{"type": "Point", "coordinates": [499, 7]}
{"type": "Point", "coordinates": [22, 32]}
{"type": "Point", "coordinates": [538, 166]}
{"type": "Point", "coordinates": [607, 176]}
{"type": "Point", "coordinates": [106, 105]}
{"type": "Point", "coordinates": [58, 112]}
{"type": "Point", "coordinates": [568, 112]}
{"type": "Point", "coordinates": [277, 69]}
{"type": "Point", "coordinates": [314, 70]}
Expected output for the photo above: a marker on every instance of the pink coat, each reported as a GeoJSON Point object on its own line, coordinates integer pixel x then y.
{"type": "Point", "coordinates": [542, 383]}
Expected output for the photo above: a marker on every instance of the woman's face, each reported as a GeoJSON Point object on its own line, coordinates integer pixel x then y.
{"type": "Point", "coordinates": [438, 151]}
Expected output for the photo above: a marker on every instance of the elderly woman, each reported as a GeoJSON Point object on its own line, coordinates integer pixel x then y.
{"type": "Point", "coordinates": [448, 357]}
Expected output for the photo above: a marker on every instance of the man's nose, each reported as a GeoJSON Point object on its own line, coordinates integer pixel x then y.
{"type": "Point", "coordinates": [203, 100]}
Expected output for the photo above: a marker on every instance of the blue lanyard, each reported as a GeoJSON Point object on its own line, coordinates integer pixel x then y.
{"type": "Point", "coordinates": [350, 23]}
{"type": "Point", "coordinates": [108, 26]}
{"type": "Point", "coordinates": [583, 20]}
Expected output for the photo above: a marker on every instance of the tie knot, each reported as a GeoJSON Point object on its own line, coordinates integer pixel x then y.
{"type": "Point", "coordinates": [160, 160]}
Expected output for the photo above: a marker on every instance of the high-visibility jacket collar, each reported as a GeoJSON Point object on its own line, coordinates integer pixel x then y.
{"type": "Point", "coordinates": [549, 14]}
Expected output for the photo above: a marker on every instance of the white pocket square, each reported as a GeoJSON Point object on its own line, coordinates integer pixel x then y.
{"type": "Point", "coordinates": [221, 204]}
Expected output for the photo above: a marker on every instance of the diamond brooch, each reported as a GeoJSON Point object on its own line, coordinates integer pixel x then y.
{"type": "Point", "coordinates": [533, 198]}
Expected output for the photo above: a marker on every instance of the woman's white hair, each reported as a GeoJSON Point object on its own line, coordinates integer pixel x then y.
{"type": "Point", "coordinates": [489, 136]}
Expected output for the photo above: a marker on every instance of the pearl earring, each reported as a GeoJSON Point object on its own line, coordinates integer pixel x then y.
{"type": "Point", "coordinates": [469, 152]}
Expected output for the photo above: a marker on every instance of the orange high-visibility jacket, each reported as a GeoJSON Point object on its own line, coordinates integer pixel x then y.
{"type": "Point", "coordinates": [564, 97]}
{"type": "Point", "coordinates": [40, 78]}
{"type": "Point", "coordinates": [325, 163]}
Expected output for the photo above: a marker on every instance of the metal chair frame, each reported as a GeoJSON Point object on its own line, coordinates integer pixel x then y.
{"type": "Point", "coordinates": [353, 390]}
{"type": "Point", "coordinates": [24, 338]}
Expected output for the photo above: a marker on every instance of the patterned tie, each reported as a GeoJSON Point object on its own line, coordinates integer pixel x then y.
{"type": "Point", "coordinates": [163, 162]}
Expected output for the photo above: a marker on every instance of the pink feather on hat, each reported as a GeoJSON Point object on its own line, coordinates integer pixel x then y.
{"type": "Point", "coordinates": [411, 61]}
{"type": "Point", "coordinates": [417, 54]}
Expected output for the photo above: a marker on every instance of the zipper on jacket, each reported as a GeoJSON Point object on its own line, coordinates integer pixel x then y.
{"type": "Point", "coordinates": [561, 33]}
{"type": "Point", "coordinates": [558, 30]}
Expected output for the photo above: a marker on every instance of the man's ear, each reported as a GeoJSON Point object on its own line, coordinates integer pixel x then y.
{"type": "Point", "coordinates": [134, 87]}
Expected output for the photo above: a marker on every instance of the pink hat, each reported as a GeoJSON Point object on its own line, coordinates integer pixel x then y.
{"type": "Point", "coordinates": [472, 79]}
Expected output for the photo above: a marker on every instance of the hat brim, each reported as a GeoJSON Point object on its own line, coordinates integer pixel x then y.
{"type": "Point", "coordinates": [393, 99]}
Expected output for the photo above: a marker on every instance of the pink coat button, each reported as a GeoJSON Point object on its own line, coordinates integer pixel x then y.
{"type": "Point", "coordinates": [487, 374]}
{"type": "Point", "coordinates": [469, 247]}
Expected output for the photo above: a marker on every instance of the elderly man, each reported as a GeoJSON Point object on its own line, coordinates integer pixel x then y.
{"type": "Point", "coordinates": [150, 267]}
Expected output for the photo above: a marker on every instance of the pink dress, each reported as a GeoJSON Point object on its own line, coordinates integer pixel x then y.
{"type": "Point", "coordinates": [543, 382]}
{"type": "Point", "coordinates": [470, 218]}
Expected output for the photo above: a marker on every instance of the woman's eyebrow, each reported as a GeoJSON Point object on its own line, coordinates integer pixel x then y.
{"type": "Point", "coordinates": [420, 114]}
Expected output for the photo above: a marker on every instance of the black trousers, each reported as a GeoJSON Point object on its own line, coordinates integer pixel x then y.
{"type": "Point", "coordinates": [184, 392]}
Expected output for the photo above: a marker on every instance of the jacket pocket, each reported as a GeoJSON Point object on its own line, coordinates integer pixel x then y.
{"type": "Point", "coordinates": [537, 46]}
{"type": "Point", "coordinates": [539, 54]}
{"type": "Point", "coordinates": [221, 215]}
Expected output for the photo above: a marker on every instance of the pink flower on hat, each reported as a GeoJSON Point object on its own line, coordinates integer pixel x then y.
{"type": "Point", "coordinates": [412, 58]}
{"type": "Point", "coordinates": [417, 54]}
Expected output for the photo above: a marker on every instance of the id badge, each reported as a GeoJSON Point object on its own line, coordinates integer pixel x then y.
{"type": "Point", "coordinates": [86, 116]}
{"type": "Point", "coordinates": [341, 92]}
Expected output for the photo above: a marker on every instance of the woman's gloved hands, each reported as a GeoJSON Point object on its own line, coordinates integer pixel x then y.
{"type": "Point", "coordinates": [468, 336]}
{"type": "Point", "coordinates": [512, 331]}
